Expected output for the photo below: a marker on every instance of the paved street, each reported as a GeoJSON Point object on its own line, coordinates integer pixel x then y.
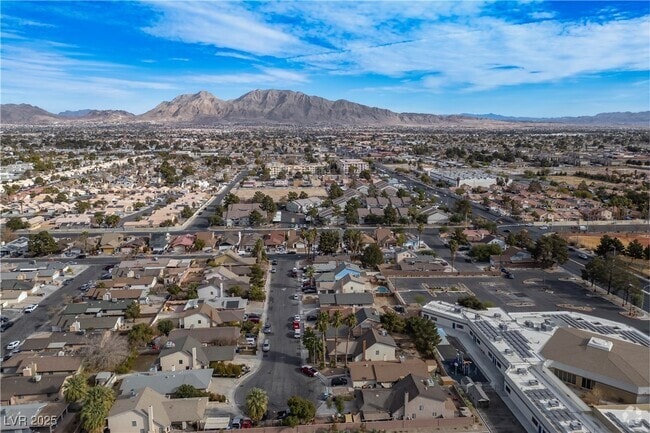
{"type": "Point", "coordinates": [279, 373]}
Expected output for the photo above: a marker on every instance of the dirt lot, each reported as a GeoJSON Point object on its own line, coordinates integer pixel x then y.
{"type": "Point", "coordinates": [277, 193]}
{"type": "Point", "coordinates": [592, 240]}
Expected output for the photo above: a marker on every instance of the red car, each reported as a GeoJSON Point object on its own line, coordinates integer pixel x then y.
{"type": "Point", "coordinates": [309, 370]}
{"type": "Point", "coordinates": [296, 325]}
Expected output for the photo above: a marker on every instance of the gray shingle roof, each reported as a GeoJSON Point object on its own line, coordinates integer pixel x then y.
{"type": "Point", "coordinates": [166, 382]}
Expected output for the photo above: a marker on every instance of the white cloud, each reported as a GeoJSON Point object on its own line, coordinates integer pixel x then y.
{"type": "Point", "coordinates": [234, 55]}
{"type": "Point", "coordinates": [222, 24]}
{"type": "Point", "coordinates": [266, 76]}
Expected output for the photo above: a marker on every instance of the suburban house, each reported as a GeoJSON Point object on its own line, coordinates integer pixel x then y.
{"type": "Point", "coordinates": [32, 417]}
{"type": "Point", "coordinates": [26, 364]}
{"type": "Point", "coordinates": [187, 353]}
{"type": "Point", "coordinates": [182, 243]}
{"type": "Point", "coordinates": [110, 243]}
{"type": "Point", "coordinates": [222, 336]}
{"type": "Point", "coordinates": [384, 374]}
{"type": "Point", "coordinates": [374, 345]}
{"type": "Point", "coordinates": [150, 411]}
{"type": "Point", "coordinates": [413, 397]}
{"type": "Point", "coordinates": [30, 389]}
{"type": "Point", "coordinates": [165, 382]}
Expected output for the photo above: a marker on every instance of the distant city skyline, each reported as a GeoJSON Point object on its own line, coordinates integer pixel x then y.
{"type": "Point", "coordinates": [539, 59]}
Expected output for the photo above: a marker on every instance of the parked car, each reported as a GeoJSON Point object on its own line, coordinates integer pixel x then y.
{"type": "Point", "coordinates": [338, 381]}
{"type": "Point", "coordinates": [254, 319]}
{"type": "Point", "coordinates": [266, 346]}
{"type": "Point", "coordinates": [295, 297]}
{"type": "Point", "coordinates": [308, 290]}
{"type": "Point", "coordinates": [273, 270]}
{"type": "Point", "coordinates": [583, 256]}
{"type": "Point", "coordinates": [250, 341]}
{"type": "Point", "coordinates": [30, 308]}
{"type": "Point", "coordinates": [309, 370]}
{"type": "Point", "coordinates": [6, 325]}
{"type": "Point", "coordinates": [282, 414]}
{"type": "Point", "coordinates": [13, 345]}
{"type": "Point", "coordinates": [296, 318]}
{"type": "Point", "coordinates": [295, 325]}
{"type": "Point", "coordinates": [239, 423]}
{"type": "Point", "coordinates": [266, 329]}
{"type": "Point", "coordinates": [312, 317]}
{"type": "Point", "coordinates": [4, 319]}
{"type": "Point", "coordinates": [509, 276]}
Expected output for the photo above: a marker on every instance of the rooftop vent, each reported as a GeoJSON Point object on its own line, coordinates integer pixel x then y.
{"type": "Point", "coordinates": [575, 425]}
{"type": "Point", "coordinates": [554, 402]}
{"type": "Point", "coordinates": [600, 344]}
{"type": "Point", "coordinates": [533, 382]}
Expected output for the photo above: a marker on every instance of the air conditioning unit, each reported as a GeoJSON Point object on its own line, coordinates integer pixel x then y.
{"type": "Point", "coordinates": [533, 382]}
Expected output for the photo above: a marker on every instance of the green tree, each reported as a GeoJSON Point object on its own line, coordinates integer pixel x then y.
{"type": "Point", "coordinates": [165, 326]}
{"type": "Point", "coordinates": [550, 250]}
{"type": "Point", "coordinates": [309, 236]}
{"type": "Point", "coordinates": [99, 218]}
{"type": "Point", "coordinates": [635, 249]}
{"type": "Point", "coordinates": [229, 199]}
{"type": "Point", "coordinates": [303, 195]}
{"type": "Point", "coordinates": [424, 334]}
{"type": "Point", "coordinates": [301, 410]}
{"type": "Point", "coordinates": [312, 343]}
{"type": "Point", "coordinates": [257, 402]}
{"type": "Point", "coordinates": [471, 302]}
{"type": "Point", "coordinates": [608, 244]}
{"type": "Point", "coordinates": [336, 321]}
{"type": "Point", "coordinates": [61, 198]}
{"type": "Point", "coordinates": [420, 231]}
{"type": "Point", "coordinates": [372, 256]}
{"type": "Point", "coordinates": [133, 311]}
{"type": "Point", "coordinates": [269, 205]}
{"type": "Point", "coordinates": [140, 334]}
{"type": "Point", "coordinates": [189, 391]}
{"type": "Point", "coordinates": [75, 388]}
{"type": "Point", "coordinates": [255, 218]}
{"type": "Point", "coordinates": [463, 207]}
{"type": "Point", "coordinates": [187, 212]}
{"type": "Point", "coordinates": [453, 249]}
{"type": "Point", "coordinates": [390, 215]}
{"type": "Point", "coordinates": [198, 245]}
{"type": "Point", "coordinates": [322, 325]}
{"type": "Point", "coordinates": [292, 195]}
{"type": "Point", "coordinates": [81, 206]}
{"type": "Point", "coordinates": [393, 322]}
{"type": "Point", "coordinates": [459, 236]}
{"type": "Point", "coordinates": [96, 405]}
{"type": "Point", "coordinates": [334, 191]}
{"type": "Point", "coordinates": [595, 270]}
{"type": "Point", "coordinates": [16, 223]}
{"type": "Point", "coordinates": [352, 240]}
{"type": "Point", "coordinates": [42, 244]}
{"type": "Point", "coordinates": [350, 321]}
{"type": "Point", "coordinates": [328, 242]}
{"type": "Point", "coordinates": [259, 251]}
{"type": "Point", "coordinates": [482, 252]}
{"type": "Point", "coordinates": [112, 220]}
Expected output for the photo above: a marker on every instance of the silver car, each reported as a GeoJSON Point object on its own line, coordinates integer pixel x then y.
{"type": "Point", "coordinates": [266, 346]}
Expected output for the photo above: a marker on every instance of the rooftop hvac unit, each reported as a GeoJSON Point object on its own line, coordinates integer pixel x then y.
{"type": "Point", "coordinates": [554, 402]}
{"type": "Point", "coordinates": [575, 425]}
{"type": "Point", "coordinates": [521, 370]}
{"type": "Point", "coordinates": [498, 338]}
{"type": "Point", "coordinates": [457, 310]}
{"type": "Point", "coordinates": [528, 323]}
{"type": "Point", "coordinates": [507, 351]}
{"type": "Point", "coordinates": [503, 326]}
{"type": "Point", "coordinates": [533, 382]}
{"type": "Point", "coordinates": [497, 315]}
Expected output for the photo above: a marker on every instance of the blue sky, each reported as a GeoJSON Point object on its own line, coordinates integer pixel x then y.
{"type": "Point", "coordinates": [528, 58]}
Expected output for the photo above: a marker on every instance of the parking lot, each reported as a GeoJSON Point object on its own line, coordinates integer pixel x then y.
{"type": "Point", "coordinates": [530, 290]}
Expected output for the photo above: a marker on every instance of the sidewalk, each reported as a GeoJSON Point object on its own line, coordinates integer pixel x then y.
{"type": "Point", "coordinates": [630, 310]}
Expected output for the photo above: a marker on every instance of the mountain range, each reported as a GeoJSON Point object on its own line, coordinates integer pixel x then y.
{"type": "Point", "coordinates": [284, 107]}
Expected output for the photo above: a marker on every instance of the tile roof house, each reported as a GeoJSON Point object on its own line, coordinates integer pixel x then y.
{"type": "Point", "coordinates": [222, 335]}
{"type": "Point", "coordinates": [150, 411]}
{"type": "Point", "coordinates": [25, 389]}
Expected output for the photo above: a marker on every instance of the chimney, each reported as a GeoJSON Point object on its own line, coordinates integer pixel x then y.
{"type": "Point", "coordinates": [364, 350]}
{"type": "Point", "coordinates": [152, 427]}
{"type": "Point", "coordinates": [406, 402]}
{"type": "Point", "coordinates": [194, 362]}
{"type": "Point", "coordinates": [221, 289]}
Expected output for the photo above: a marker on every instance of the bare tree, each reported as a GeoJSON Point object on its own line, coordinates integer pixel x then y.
{"type": "Point", "coordinates": [103, 352]}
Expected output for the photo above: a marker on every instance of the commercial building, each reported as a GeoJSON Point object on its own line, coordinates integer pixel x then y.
{"type": "Point", "coordinates": [458, 178]}
{"type": "Point", "coordinates": [540, 363]}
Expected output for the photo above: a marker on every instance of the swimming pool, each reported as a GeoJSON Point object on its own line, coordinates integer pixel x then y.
{"type": "Point", "coordinates": [382, 289]}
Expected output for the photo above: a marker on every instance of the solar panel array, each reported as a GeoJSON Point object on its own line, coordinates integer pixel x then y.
{"type": "Point", "coordinates": [560, 417]}
{"type": "Point", "coordinates": [518, 342]}
{"type": "Point", "coordinates": [633, 336]}
{"type": "Point", "coordinates": [487, 329]}
{"type": "Point", "coordinates": [636, 337]}
{"type": "Point", "coordinates": [515, 339]}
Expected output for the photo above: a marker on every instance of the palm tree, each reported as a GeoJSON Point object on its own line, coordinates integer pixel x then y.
{"type": "Point", "coordinates": [323, 324]}
{"type": "Point", "coordinates": [259, 251]}
{"type": "Point", "coordinates": [453, 248]}
{"type": "Point", "coordinates": [95, 408]}
{"type": "Point", "coordinates": [75, 388]}
{"type": "Point", "coordinates": [309, 236]}
{"type": "Point", "coordinates": [257, 402]}
{"type": "Point", "coordinates": [350, 322]}
{"type": "Point", "coordinates": [311, 343]}
{"type": "Point", "coordinates": [336, 321]}
{"type": "Point", "coordinates": [420, 230]}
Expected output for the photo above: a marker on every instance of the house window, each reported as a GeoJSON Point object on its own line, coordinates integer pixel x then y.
{"type": "Point", "coordinates": [199, 321]}
{"type": "Point", "coordinates": [421, 408]}
{"type": "Point", "coordinates": [566, 377]}
{"type": "Point", "coordinates": [460, 327]}
{"type": "Point", "coordinates": [507, 389]}
{"type": "Point", "coordinates": [376, 352]}
{"type": "Point", "coordinates": [180, 362]}
{"type": "Point", "coordinates": [587, 383]}
{"type": "Point", "coordinates": [434, 414]}
{"type": "Point", "coordinates": [134, 423]}
{"type": "Point", "coordinates": [413, 417]}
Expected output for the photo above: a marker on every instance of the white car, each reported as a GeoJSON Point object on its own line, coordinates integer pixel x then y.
{"type": "Point", "coordinates": [583, 256]}
{"type": "Point", "coordinates": [266, 346]}
{"type": "Point", "coordinates": [30, 308]}
{"type": "Point", "coordinates": [296, 318]}
{"type": "Point", "coordinates": [13, 345]}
